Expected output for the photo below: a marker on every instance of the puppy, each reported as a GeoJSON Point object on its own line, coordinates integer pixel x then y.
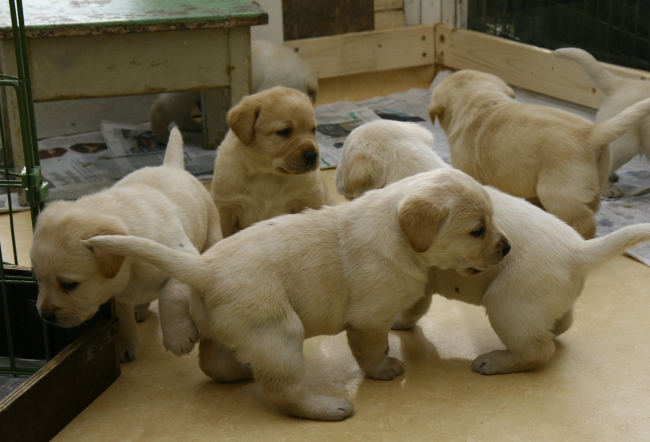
{"type": "Point", "coordinates": [258, 294]}
{"type": "Point", "coordinates": [528, 296]}
{"type": "Point", "coordinates": [620, 93]}
{"type": "Point", "coordinates": [165, 204]}
{"type": "Point", "coordinates": [375, 153]}
{"type": "Point", "coordinates": [268, 162]}
{"type": "Point", "coordinates": [272, 65]}
{"type": "Point", "coordinates": [551, 157]}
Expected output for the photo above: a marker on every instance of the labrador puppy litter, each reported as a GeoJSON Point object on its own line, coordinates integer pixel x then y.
{"type": "Point", "coordinates": [258, 294]}
{"type": "Point", "coordinates": [272, 65]}
{"type": "Point", "coordinates": [382, 152]}
{"type": "Point", "coordinates": [553, 158]}
{"type": "Point", "coordinates": [529, 295]}
{"type": "Point", "coordinates": [164, 204]}
{"type": "Point", "coordinates": [268, 162]}
{"type": "Point", "coordinates": [620, 93]}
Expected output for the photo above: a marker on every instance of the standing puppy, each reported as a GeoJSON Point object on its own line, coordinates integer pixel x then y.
{"type": "Point", "coordinates": [546, 155]}
{"type": "Point", "coordinates": [272, 65]}
{"type": "Point", "coordinates": [165, 204]}
{"type": "Point", "coordinates": [268, 162]}
{"type": "Point", "coordinates": [620, 93]}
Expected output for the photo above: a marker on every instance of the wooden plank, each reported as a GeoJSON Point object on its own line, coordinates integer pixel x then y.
{"type": "Point", "coordinates": [387, 5]}
{"type": "Point", "coordinates": [389, 19]}
{"type": "Point", "coordinates": [367, 51]}
{"type": "Point", "coordinates": [521, 65]}
{"type": "Point", "coordinates": [316, 18]}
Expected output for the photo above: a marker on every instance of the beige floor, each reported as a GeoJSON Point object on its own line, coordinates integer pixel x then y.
{"type": "Point", "coordinates": [596, 388]}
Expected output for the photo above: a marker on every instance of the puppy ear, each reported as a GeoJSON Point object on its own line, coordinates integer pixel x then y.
{"type": "Point", "coordinates": [510, 92]}
{"type": "Point", "coordinates": [419, 221]}
{"type": "Point", "coordinates": [360, 173]}
{"type": "Point", "coordinates": [242, 118]}
{"type": "Point", "coordinates": [109, 264]}
{"type": "Point", "coordinates": [436, 110]}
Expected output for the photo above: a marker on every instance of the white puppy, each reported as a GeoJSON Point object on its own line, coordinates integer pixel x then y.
{"type": "Point", "coordinates": [548, 156]}
{"type": "Point", "coordinates": [268, 162]}
{"type": "Point", "coordinates": [165, 204]}
{"type": "Point", "coordinates": [620, 93]}
{"type": "Point", "coordinates": [260, 293]}
{"type": "Point", "coordinates": [272, 65]}
{"type": "Point", "coordinates": [529, 296]}
{"type": "Point", "coordinates": [382, 152]}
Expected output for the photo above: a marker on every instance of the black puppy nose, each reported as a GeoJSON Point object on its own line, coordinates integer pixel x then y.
{"type": "Point", "coordinates": [49, 317]}
{"type": "Point", "coordinates": [506, 249]}
{"type": "Point", "coordinates": [311, 156]}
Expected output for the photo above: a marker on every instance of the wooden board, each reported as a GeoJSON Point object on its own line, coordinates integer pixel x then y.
{"type": "Point", "coordinates": [367, 51]}
{"type": "Point", "coordinates": [316, 18]}
{"type": "Point", "coordinates": [389, 19]}
{"type": "Point", "coordinates": [387, 5]}
{"type": "Point", "coordinates": [521, 65]}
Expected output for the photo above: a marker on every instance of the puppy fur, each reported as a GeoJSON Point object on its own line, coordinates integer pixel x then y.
{"type": "Point", "coordinates": [620, 93]}
{"type": "Point", "coordinates": [551, 157]}
{"type": "Point", "coordinates": [272, 65]}
{"type": "Point", "coordinates": [268, 162]}
{"type": "Point", "coordinates": [528, 296]}
{"type": "Point", "coordinates": [164, 204]}
{"type": "Point", "coordinates": [369, 159]}
{"type": "Point", "coordinates": [258, 294]}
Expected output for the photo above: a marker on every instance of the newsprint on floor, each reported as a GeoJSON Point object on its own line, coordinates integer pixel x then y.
{"type": "Point", "coordinates": [596, 388]}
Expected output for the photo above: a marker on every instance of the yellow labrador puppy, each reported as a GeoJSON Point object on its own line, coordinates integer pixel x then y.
{"type": "Point", "coordinates": [549, 156]}
{"type": "Point", "coordinates": [528, 296]}
{"type": "Point", "coordinates": [164, 204]}
{"type": "Point", "coordinates": [268, 163]}
{"type": "Point", "coordinates": [620, 93]}
{"type": "Point", "coordinates": [258, 294]}
{"type": "Point", "coordinates": [272, 64]}
{"type": "Point", "coordinates": [382, 152]}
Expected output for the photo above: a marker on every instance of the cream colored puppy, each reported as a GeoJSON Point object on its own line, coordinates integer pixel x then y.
{"type": "Point", "coordinates": [528, 296]}
{"type": "Point", "coordinates": [620, 93]}
{"type": "Point", "coordinates": [272, 65]}
{"type": "Point", "coordinates": [268, 163]}
{"type": "Point", "coordinates": [164, 204]}
{"type": "Point", "coordinates": [546, 155]}
{"type": "Point", "coordinates": [260, 293]}
{"type": "Point", "coordinates": [382, 152]}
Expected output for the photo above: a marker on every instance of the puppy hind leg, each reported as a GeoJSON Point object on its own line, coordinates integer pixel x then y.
{"type": "Point", "coordinates": [563, 323]}
{"type": "Point", "coordinates": [571, 209]}
{"type": "Point", "coordinates": [142, 312]}
{"type": "Point", "coordinates": [370, 348]}
{"type": "Point", "coordinates": [219, 362]}
{"type": "Point", "coordinates": [178, 329]}
{"type": "Point", "coordinates": [409, 317]}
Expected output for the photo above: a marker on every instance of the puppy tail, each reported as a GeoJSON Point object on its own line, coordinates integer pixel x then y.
{"type": "Point", "coordinates": [605, 80]}
{"type": "Point", "coordinates": [174, 155]}
{"type": "Point", "coordinates": [187, 268]}
{"type": "Point", "coordinates": [598, 250]}
{"type": "Point", "coordinates": [609, 130]}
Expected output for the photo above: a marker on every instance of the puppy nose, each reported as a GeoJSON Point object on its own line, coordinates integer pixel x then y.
{"type": "Point", "coordinates": [49, 317]}
{"type": "Point", "coordinates": [506, 249]}
{"type": "Point", "coordinates": [311, 156]}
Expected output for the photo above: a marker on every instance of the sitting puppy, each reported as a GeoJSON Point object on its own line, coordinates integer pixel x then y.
{"type": "Point", "coordinates": [528, 296]}
{"type": "Point", "coordinates": [375, 153]}
{"type": "Point", "coordinates": [272, 65]}
{"type": "Point", "coordinates": [620, 93]}
{"type": "Point", "coordinates": [268, 162]}
{"type": "Point", "coordinates": [165, 204]}
{"type": "Point", "coordinates": [546, 155]}
{"type": "Point", "coordinates": [258, 294]}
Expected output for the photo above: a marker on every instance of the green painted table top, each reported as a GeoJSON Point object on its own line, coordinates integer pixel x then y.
{"type": "Point", "coordinates": [64, 18]}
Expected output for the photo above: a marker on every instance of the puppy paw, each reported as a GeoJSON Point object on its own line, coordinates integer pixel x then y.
{"type": "Point", "coordinates": [612, 191]}
{"type": "Point", "coordinates": [128, 349]}
{"type": "Point", "coordinates": [323, 408]}
{"type": "Point", "coordinates": [141, 312]}
{"type": "Point", "coordinates": [613, 177]}
{"type": "Point", "coordinates": [181, 336]}
{"type": "Point", "coordinates": [403, 324]}
{"type": "Point", "coordinates": [387, 370]}
{"type": "Point", "coordinates": [503, 361]}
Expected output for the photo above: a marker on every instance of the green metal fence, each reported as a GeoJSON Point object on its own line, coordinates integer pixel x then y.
{"type": "Point", "coordinates": [615, 31]}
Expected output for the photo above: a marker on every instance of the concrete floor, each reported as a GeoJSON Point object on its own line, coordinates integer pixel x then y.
{"type": "Point", "coordinates": [596, 388]}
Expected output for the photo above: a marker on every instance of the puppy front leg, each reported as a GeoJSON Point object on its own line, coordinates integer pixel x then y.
{"type": "Point", "coordinates": [409, 317]}
{"type": "Point", "coordinates": [178, 329]}
{"type": "Point", "coordinates": [127, 340]}
{"type": "Point", "coordinates": [369, 347]}
{"type": "Point", "coordinates": [142, 312]}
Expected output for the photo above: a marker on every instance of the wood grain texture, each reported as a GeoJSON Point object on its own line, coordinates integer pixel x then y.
{"type": "Point", "coordinates": [388, 5]}
{"type": "Point", "coordinates": [389, 19]}
{"type": "Point", "coordinates": [317, 18]}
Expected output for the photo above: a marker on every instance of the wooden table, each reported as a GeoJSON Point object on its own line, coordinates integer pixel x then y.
{"type": "Point", "coordinates": [102, 48]}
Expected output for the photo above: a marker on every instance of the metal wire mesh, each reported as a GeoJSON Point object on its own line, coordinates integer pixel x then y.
{"type": "Point", "coordinates": [615, 31]}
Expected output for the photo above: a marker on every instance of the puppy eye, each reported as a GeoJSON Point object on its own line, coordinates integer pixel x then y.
{"type": "Point", "coordinates": [68, 286]}
{"type": "Point", "coordinates": [284, 132]}
{"type": "Point", "coordinates": [478, 233]}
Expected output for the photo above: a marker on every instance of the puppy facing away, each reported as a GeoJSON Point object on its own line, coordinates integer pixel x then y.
{"type": "Point", "coordinates": [164, 204]}
{"type": "Point", "coordinates": [272, 65]}
{"type": "Point", "coordinates": [528, 296]}
{"type": "Point", "coordinates": [369, 159]}
{"type": "Point", "coordinates": [268, 162]}
{"type": "Point", "coordinates": [258, 294]}
{"type": "Point", "coordinates": [620, 93]}
{"type": "Point", "coordinates": [548, 156]}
